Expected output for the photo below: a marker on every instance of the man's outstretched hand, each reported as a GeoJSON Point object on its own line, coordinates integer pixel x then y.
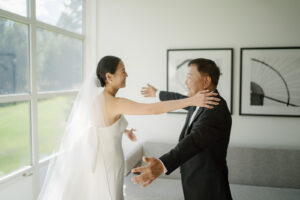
{"type": "Point", "coordinates": [148, 172]}
{"type": "Point", "coordinates": [149, 91]}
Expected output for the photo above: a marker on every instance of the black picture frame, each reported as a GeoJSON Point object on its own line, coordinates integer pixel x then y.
{"type": "Point", "coordinates": [250, 103]}
{"type": "Point", "coordinates": [200, 53]}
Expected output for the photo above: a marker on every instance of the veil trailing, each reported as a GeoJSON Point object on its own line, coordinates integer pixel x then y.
{"type": "Point", "coordinates": [75, 159]}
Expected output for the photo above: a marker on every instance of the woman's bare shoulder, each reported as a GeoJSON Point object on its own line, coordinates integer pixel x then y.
{"type": "Point", "coordinates": [110, 102]}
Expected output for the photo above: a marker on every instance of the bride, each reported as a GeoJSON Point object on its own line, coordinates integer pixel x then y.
{"type": "Point", "coordinates": [89, 164]}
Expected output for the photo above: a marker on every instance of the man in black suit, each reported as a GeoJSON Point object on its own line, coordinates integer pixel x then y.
{"type": "Point", "coordinates": [202, 148]}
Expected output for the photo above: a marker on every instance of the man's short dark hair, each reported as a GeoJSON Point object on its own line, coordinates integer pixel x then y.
{"type": "Point", "coordinates": [208, 67]}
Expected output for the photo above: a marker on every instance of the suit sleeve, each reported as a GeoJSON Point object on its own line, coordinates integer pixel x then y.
{"type": "Point", "coordinates": [203, 133]}
{"type": "Point", "coordinates": [165, 96]}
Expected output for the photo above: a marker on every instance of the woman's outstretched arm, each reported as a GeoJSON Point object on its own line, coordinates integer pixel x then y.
{"type": "Point", "coordinates": [129, 107]}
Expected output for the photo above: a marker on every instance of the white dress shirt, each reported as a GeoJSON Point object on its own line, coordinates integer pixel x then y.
{"type": "Point", "coordinates": [194, 113]}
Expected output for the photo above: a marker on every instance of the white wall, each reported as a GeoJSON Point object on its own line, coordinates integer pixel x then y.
{"type": "Point", "coordinates": [140, 31]}
{"type": "Point", "coordinates": [20, 188]}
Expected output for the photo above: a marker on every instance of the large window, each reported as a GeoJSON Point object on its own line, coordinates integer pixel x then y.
{"type": "Point", "coordinates": [52, 115]}
{"type": "Point", "coordinates": [66, 14]}
{"type": "Point", "coordinates": [41, 69]}
{"type": "Point", "coordinates": [14, 57]}
{"type": "Point", "coordinates": [59, 61]}
{"type": "Point", "coordinates": [15, 6]}
{"type": "Point", "coordinates": [15, 140]}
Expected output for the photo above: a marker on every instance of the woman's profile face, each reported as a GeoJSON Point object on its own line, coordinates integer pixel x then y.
{"type": "Point", "coordinates": [119, 77]}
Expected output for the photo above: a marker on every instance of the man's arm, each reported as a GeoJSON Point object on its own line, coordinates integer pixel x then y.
{"type": "Point", "coordinates": [165, 96]}
{"type": "Point", "coordinates": [151, 91]}
{"type": "Point", "coordinates": [203, 134]}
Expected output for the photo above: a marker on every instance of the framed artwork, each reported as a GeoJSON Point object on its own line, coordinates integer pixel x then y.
{"type": "Point", "coordinates": [270, 81]}
{"type": "Point", "coordinates": [177, 68]}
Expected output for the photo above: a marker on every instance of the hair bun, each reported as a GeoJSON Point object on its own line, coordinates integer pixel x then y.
{"type": "Point", "coordinates": [97, 82]}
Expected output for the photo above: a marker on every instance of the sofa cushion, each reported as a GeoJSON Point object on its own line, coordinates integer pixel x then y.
{"type": "Point", "coordinates": [171, 189]}
{"type": "Point", "coordinates": [249, 166]}
{"type": "Point", "coordinates": [264, 167]}
{"type": "Point", "coordinates": [159, 189]}
{"type": "Point", "coordinates": [247, 192]}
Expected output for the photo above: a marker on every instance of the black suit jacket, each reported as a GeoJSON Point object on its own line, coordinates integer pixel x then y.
{"type": "Point", "coordinates": [201, 152]}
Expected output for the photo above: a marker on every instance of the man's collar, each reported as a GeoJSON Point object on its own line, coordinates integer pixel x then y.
{"type": "Point", "coordinates": [215, 90]}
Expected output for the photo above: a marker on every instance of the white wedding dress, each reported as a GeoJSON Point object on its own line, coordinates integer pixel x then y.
{"type": "Point", "coordinates": [89, 164]}
{"type": "Point", "coordinates": [109, 166]}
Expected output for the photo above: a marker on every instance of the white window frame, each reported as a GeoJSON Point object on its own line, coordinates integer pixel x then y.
{"type": "Point", "coordinates": [88, 38]}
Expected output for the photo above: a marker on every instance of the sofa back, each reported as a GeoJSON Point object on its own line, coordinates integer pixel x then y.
{"type": "Point", "coordinates": [264, 167]}
{"type": "Point", "coordinates": [248, 166]}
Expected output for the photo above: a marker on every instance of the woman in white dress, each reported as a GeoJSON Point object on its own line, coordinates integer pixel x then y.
{"type": "Point", "coordinates": [90, 164]}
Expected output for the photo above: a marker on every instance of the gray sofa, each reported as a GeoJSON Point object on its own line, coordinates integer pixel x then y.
{"type": "Point", "coordinates": [254, 174]}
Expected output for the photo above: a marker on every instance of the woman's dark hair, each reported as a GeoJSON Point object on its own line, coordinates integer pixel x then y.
{"type": "Point", "coordinates": [107, 64]}
{"type": "Point", "coordinates": [208, 67]}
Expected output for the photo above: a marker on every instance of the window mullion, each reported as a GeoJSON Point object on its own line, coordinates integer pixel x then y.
{"type": "Point", "coordinates": [59, 30]}
{"type": "Point", "coordinates": [14, 17]}
{"type": "Point", "coordinates": [84, 42]}
{"type": "Point", "coordinates": [14, 98]}
{"type": "Point", "coordinates": [34, 100]}
{"type": "Point", "coordinates": [43, 95]}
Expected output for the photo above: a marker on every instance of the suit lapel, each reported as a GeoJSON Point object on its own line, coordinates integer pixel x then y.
{"type": "Point", "coordinates": [192, 109]}
{"type": "Point", "coordinates": [188, 117]}
{"type": "Point", "coordinates": [201, 109]}
{"type": "Point", "coordinates": [195, 118]}
{"type": "Point", "coordinates": [197, 114]}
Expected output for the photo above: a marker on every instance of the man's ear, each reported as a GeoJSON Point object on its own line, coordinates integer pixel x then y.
{"type": "Point", "coordinates": [207, 81]}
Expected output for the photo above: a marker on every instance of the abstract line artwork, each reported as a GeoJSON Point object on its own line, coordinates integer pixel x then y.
{"type": "Point", "coordinates": [177, 69]}
{"type": "Point", "coordinates": [270, 81]}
